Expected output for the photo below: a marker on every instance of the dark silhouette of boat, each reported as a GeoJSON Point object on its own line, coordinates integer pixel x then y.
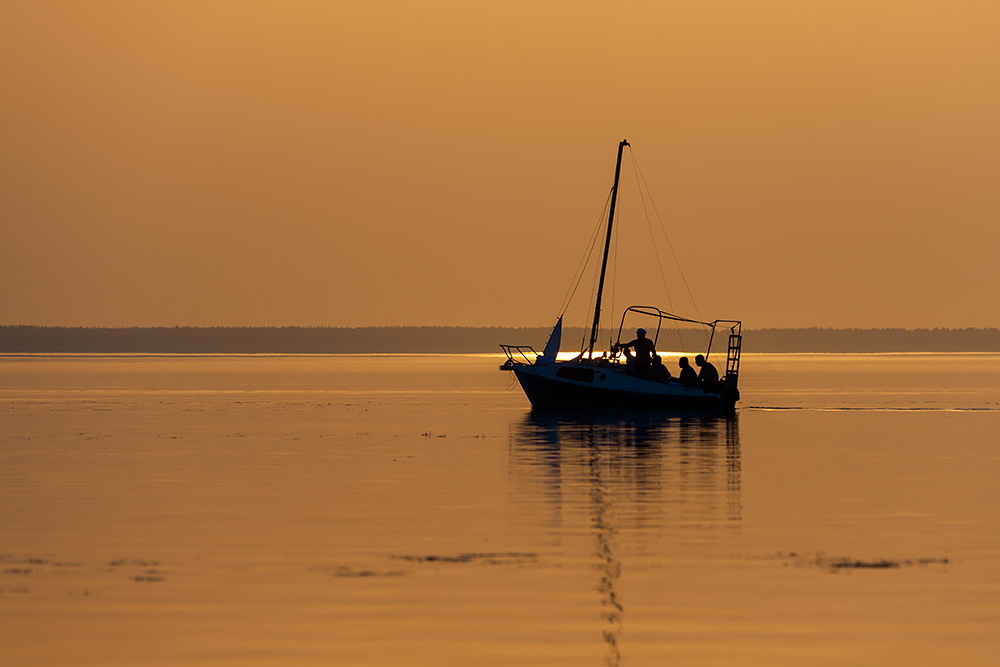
{"type": "Point", "coordinates": [613, 381]}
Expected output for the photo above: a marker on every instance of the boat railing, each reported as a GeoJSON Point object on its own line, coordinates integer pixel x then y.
{"type": "Point", "coordinates": [733, 350]}
{"type": "Point", "coordinates": [517, 355]}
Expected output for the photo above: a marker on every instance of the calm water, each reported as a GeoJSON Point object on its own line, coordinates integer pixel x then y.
{"type": "Point", "coordinates": [411, 510]}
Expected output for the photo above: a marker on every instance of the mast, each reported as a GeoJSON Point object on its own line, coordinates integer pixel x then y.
{"type": "Point", "coordinates": [607, 247]}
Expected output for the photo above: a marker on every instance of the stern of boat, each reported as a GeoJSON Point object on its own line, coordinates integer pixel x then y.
{"type": "Point", "coordinates": [730, 383]}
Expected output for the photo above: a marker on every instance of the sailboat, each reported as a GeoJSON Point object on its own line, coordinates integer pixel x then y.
{"type": "Point", "coordinates": [615, 379]}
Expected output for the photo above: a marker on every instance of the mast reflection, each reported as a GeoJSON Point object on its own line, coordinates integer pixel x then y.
{"type": "Point", "coordinates": [637, 480]}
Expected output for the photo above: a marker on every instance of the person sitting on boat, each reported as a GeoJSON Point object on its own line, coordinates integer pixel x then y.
{"type": "Point", "coordinates": [658, 371]}
{"type": "Point", "coordinates": [708, 376]}
{"type": "Point", "coordinates": [688, 377]}
{"type": "Point", "coordinates": [639, 362]}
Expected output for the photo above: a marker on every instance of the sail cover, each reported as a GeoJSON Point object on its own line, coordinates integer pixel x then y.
{"type": "Point", "coordinates": [552, 347]}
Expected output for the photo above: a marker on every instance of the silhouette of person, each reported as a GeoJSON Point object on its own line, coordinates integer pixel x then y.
{"type": "Point", "coordinates": [688, 377]}
{"type": "Point", "coordinates": [708, 376]}
{"type": "Point", "coordinates": [658, 371]}
{"type": "Point", "coordinates": [644, 352]}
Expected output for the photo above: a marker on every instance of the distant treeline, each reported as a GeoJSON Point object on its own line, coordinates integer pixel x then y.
{"type": "Point", "coordinates": [343, 340]}
{"type": "Point", "coordinates": [872, 340]}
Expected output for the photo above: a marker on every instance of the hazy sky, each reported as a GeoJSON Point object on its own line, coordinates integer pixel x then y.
{"type": "Point", "coordinates": [376, 163]}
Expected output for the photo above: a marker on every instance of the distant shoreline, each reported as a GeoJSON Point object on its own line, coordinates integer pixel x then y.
{"type": "Point", "coordinates": [357, 340]}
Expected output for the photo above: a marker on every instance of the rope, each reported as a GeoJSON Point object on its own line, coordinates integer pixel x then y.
{"type": "Point", "coordinates": [652, 236]}
{"type": "Point", "coordinates": [666, 236]}
{"type": "Point", "coordinates": [584, 261]}
{"type": "Point", "coordinates": [656, 250]}
{"type": "Point", "coordinates": [595, 236]}
{"type": "Point", "coordinates": [584, 343]}
{"type": "Point", "coordinates": [670, 245]}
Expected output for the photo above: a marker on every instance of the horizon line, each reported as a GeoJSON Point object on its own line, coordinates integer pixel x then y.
{"type": "Point", "coordinates": [470, 326]}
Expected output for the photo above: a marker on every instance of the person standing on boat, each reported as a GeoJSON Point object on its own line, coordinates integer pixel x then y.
{"type": "Point", "coordinates": [688, 377]}
{"type": "Point", "coordinates": [640, 361]}
{"type": "Point", "coordinates": [708, 376]}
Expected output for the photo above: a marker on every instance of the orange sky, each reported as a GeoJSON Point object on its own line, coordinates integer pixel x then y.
{"type": "Point", "coordinates": [378, 163]}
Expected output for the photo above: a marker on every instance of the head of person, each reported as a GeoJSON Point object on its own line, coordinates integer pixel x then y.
{"type": "Point", "coordinates": [641, 333]}
{"type": "Point", "coordinates": [700, 360]}
{"type": "Point", "coordinates": [683, 362]}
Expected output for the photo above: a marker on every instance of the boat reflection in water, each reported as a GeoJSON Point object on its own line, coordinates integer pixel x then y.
{"type": "Point", "coordinates": [640, 488]}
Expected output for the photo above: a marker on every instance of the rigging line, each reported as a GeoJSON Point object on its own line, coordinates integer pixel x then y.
{"type": "Point", "coordinates": [585, 260]}
{"type": "Point", "coordinates": [590, 306]}
{"type": "Point", "coordinates": [652, 236]}
{"type": "Point", "coordinates": [667, 237]}
{"type": "Point", "coordinates": [597, 274]}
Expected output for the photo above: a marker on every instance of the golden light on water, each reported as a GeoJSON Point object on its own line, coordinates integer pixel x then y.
{"type": "Point", "coordinates": [411, 509]}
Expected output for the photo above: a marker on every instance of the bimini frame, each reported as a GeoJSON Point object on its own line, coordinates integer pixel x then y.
{"type": "Point", "coordinates": [735, 333]}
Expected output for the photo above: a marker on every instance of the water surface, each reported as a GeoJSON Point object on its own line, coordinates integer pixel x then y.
{"type": "Point", "coordinates": [387, 510]}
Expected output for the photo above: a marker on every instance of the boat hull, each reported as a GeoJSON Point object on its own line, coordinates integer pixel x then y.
{"type": "Point", "coordinates": [576, 387]}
